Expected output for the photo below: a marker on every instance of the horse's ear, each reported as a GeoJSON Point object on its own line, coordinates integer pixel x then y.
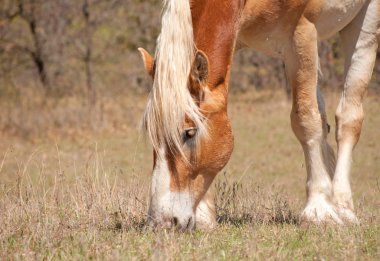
{"type": "Point", "coordinates": [148, 61]}
{"type": "Point", "coordinates": [199, 70]}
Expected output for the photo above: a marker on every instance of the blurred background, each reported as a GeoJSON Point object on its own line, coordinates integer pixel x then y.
{"type": "Point", "coordinates": [69, 65]}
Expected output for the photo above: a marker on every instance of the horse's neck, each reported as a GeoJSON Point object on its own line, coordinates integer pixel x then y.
{"type": "Point", "coordinates": [215, 28]}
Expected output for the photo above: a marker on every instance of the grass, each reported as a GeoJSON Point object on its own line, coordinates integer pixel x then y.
{"type": "Point", "coordinates": [83, 194]}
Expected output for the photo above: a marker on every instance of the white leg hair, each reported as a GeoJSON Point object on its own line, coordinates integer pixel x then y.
{"type": "Point", "coordinates": [360, 44]}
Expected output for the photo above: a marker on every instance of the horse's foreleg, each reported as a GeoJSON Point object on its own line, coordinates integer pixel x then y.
{"type": "Point", "coordinates": [309, 122]}
{"type": "Point", "coordinates": [206, 213]}
{"type": "Point", "coordinates": [360, 45]}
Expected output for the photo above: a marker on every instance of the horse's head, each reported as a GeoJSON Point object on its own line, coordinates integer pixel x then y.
{"type": "Point", "coordinates": [189, 155]}
{"type": "Point", "coordinates": [186, 115]}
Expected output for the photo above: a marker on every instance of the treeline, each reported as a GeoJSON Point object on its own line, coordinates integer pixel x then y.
{"type": "Point", "coordinates": [88, 48]}
{"type": "Point", "coordinates": [67, 47]}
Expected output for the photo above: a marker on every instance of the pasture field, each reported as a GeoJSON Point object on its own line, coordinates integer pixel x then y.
{"type": "Point", "coordinates": [79, 195]}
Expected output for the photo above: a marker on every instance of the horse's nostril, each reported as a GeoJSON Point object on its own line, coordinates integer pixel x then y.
{"type": "Point", "coordinates": [189, 222]}
{"type": "Point", "coordinates": [175, 221]}
{"type": "Point", "coordinates": [182, 224]}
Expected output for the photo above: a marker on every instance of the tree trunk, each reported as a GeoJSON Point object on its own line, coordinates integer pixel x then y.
{"type": "Point", "coordinates": [92, 95]}
{"type": "Point", "coordinates": [37, 54]}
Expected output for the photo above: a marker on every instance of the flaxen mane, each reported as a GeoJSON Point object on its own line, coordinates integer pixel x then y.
{"type": "Point", "coordinates": [170, 100]}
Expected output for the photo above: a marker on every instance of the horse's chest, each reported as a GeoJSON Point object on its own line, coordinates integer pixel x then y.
{"type": "Point", "coordinates": [267, 25]}
{"type": "Point", "coordinates": [272, 43]}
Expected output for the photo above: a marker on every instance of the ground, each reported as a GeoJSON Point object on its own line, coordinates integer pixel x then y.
{"type": "Point", "coordinates": [84, 195]}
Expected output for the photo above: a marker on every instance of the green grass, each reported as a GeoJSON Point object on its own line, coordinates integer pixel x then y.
{"type": "Point", "coordinates": [84, 196]}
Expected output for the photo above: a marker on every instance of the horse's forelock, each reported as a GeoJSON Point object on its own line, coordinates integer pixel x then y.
{"type": "Point", "coordinates": [170, 100]}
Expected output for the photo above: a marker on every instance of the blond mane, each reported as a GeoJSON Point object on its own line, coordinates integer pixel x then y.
{"type": "Point", "coordinates": [170, 100]}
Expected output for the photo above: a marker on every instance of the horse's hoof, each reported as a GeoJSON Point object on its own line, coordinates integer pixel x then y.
{"type": "Point", "coordinates": [348, 216]}
{"type": "Point", "coordinates": [205, 226]}
{"type": "Point", "coordinates": [319, 211]}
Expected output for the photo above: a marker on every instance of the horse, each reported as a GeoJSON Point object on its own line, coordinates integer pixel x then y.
{"type": "Point", "coordinates": [186, 115]}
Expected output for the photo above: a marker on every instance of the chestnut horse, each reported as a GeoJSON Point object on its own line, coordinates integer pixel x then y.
{"type": "Point", "coordinates": [186, 115]}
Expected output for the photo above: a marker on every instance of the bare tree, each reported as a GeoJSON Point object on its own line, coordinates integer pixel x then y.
{"type": "Point", "coordinates": [95, 13]}
{"type": "Point", "coordinates": [41, 35]}
{"type": "Point", "coordinates": [27, 11]}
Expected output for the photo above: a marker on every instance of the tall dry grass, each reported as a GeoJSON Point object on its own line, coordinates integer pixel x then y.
{"type": "Point", "coordinates": [41, 218]}
{"type": "Point", "coordinates": [37, 217]}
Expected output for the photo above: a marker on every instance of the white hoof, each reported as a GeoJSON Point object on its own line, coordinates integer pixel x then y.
{"type": "Point", "coordinates": [205, 226]}
{"type": "Point", "coordinates": [347, 215]}
{"type": "Point", "coordinates": [320, 211]}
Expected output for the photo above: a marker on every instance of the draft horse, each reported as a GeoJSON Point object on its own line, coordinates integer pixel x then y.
{"type": "Point", "coordinates": [186, 115]}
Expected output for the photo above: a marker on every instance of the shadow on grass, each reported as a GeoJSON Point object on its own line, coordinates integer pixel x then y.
{"type": "Point", "coordinates": [249, 219]}
{"type": "Point", "coordinates": [226, 219]}
{"type": "Point", "coordinates": [235, 206]}
{"type": "Point", "coordinates": [237, 220]}
{"type": "Point", "coordinates": [124, 222]}
{"type": "Point", "coordinates": [238, 206]}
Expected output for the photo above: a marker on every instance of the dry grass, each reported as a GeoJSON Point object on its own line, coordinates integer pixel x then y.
{"type": "Point", "coordinates": [83, 194]}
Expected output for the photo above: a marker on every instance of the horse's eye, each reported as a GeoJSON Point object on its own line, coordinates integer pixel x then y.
{"type": "Point", "coordinates": [189, 133]}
